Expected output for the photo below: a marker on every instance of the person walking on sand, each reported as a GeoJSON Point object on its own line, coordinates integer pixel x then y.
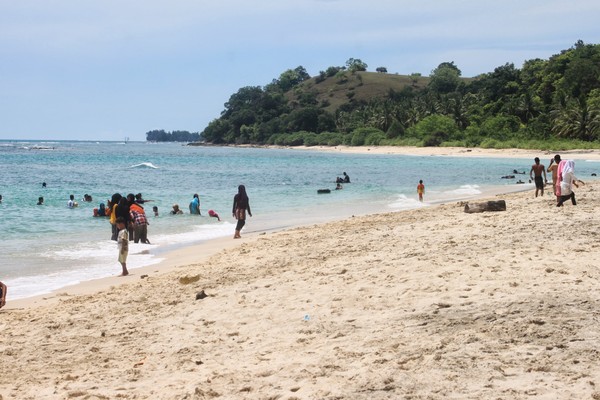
{"type": "Point", "coordinates": [241, 204]}
{"type": "Point", "coordinates": [420, 190]}
{"type": "Point", "coordinates": [123, 244]}
{"type": "Point", "coordinates": [3, 291]}
{"type": "Point", "coordinates": [538, 169]}
{"type": "Point", "coordinates": [567, 178]}
{"type": "Point", "coordinates": [553, 167]}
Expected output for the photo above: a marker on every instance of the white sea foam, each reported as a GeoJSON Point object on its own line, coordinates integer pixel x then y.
{"type": "Point", "coordinates": [465, 190]}
{"type": "Point", "coordinates": [406, 203]}
{"type": "Point", "coordinates": [95, 260]}
{"type": "Point", "coordinates": [144, 165]}
{"type": "Point", "coordinates": [198, 233]}
{"type": "Point", "coordinates": [93, 268]}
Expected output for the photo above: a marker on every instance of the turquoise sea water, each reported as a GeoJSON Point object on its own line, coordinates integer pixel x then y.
{"type": "Point", "coordinates": [50, 246]}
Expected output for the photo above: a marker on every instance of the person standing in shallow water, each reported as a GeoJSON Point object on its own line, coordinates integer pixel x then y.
{"type": "Point", "coordinates": [241, 204]}
{"type": "Point", "coordinates": [195, 205]}
{"type": "Point", "coordinates": [420, 190]}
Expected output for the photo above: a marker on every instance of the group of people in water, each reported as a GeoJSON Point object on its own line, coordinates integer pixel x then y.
{"type": "Point", "coordinates": [563, 179]}
{"type": "Point", "coordinates": [129, 222]}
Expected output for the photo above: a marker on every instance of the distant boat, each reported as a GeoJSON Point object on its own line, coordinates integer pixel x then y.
{"type": "Point", "coordinates": [126, 139]}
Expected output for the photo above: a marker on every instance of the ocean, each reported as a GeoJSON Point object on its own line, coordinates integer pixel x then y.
{"type": "Point", "coordinates": [47, 247]}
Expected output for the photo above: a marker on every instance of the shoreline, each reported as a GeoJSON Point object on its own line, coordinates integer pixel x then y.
{"type": "Point", "coordinates": [429, 303]}
{"type": "Point", "coordinates": [450, 151]}
{"type": "Point", "coordinates": [85, 287]}
{"type": "Point", "coordinates": [193, 253]}
{"type": "Point", "coordinates": [476, 152]}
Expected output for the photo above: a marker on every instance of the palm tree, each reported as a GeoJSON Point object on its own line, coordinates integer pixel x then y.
{"type": "Point", "coordinates": [576, 120]}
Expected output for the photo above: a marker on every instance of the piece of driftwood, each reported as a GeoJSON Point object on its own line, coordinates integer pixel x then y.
{"type": "Point", "coordinates": [499, 205]}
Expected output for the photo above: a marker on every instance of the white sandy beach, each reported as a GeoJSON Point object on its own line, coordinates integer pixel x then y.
{"type": "Point", "coordinates": [432, 303]}
{"type": "Point", "coordinates": [458, 152]}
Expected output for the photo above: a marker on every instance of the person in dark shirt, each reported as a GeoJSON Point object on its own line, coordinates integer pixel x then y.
{"type": "Point", "coordinates": [241, 204]}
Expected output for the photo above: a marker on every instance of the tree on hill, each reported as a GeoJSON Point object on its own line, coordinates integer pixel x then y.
{"type": "Point", "coordinates": [445, 78]}
{"type": "Point", "coordinates": [356, 65]}
{"type": "Point", "coordinates": [292, 77]}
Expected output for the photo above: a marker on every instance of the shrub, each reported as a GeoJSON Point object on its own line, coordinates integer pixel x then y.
{"type": "Point", "coordinates": [500, 127]}
{"type": "Point", "coordinates": [374, 138]}
{"type": "Point", "coordinates": [435, 139]}
{"type": "Point", "coordinates": [395, 130]}
{"type": "Point", "coordinates": [489, 143]}
{"type": "Point", "coordinates": [330, 139]}
{"type": "Point", "coordinates": [310, 139]}
{"type": "Point", "coordinates": [360, 135]}
{"type": "Point", "coordinates": [434, 127]}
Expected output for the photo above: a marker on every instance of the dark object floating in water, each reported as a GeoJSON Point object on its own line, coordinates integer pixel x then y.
{"type": "Point", "coordinates": [508, 177]}
{"type": "Point", "coordinates": [322, 191]}
{"type": "Point", "coordinates": [594, 174]}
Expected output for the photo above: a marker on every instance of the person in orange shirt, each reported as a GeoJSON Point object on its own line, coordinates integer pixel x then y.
{"type": "Point", "coordinates": [420, 190]}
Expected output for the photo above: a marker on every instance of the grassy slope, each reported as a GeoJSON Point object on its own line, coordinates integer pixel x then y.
{"type": "Point", "coordinates": [373, 85]}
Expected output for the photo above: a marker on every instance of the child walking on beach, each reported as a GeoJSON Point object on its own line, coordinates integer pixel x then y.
{"type": "Point", "coordinates": [123, 244]}
{"type": "Point", "coordinates": [420, 190]}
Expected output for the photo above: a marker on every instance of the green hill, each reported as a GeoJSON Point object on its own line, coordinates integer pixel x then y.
{"type": "Point", "coordinates": [552, 103]}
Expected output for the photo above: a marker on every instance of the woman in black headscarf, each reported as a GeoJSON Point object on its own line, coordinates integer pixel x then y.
{"type": "Point", "coordinates": [123, 212]}
{"type": "Point", "coordinates": [241, 204]}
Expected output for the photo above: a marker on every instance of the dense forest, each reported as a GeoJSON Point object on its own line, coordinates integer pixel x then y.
{"type": "Point", "coordinates": [552, 103]}
{"type": "Point", "coordinates": [175, 136]}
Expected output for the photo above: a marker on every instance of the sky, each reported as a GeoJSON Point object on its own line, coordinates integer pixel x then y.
{"type": "Point", "coordinates": [106, 70]}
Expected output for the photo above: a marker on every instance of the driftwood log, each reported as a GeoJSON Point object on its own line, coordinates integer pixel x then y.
{"type": "Point", "coordinates": [499, 205]}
